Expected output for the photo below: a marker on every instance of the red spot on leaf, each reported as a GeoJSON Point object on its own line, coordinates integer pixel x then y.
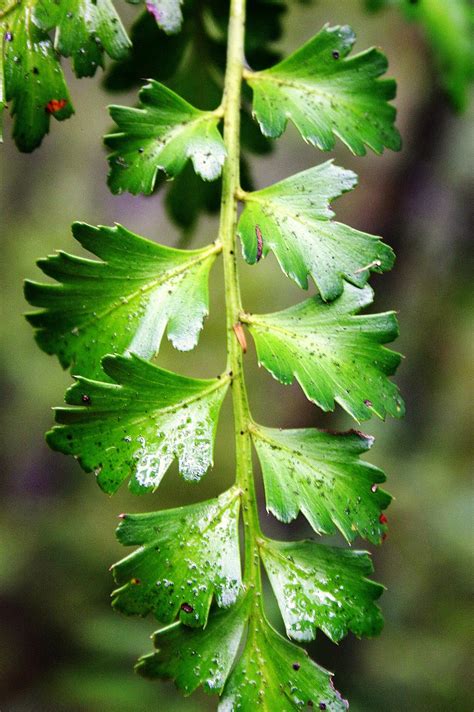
{"type": "Point", "coordinates": [187, 607]}
{"type": "Point", "coordinates": [55, 105]}
{"type": "Point", "coordinates": [383, 519]}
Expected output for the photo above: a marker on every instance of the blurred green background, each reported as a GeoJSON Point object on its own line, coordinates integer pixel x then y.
{"type": "Point", "coordinates": [63, 648]}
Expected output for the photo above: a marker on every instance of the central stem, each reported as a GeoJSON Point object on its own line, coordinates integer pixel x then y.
{"type": "Point", "coordinates": [227, 232]}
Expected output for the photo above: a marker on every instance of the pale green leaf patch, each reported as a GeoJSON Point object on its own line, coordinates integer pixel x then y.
{"type": "Point", "coordinates": [167, 13]}
{"type": "Point", "coordinates": [136, 426]}
{"type": "Point", "coordinates": [186, 557]}
{"type": "Point", "coordinates": [327, 95]}
{"type": "Point", "coordinates": [321, 475]}
{"type": "Point", "coordinates": [335, 354]}
{"type": "Point", "coordinates": [85, 30]}
{"type": "Point", "coordinates": [294, 220]}
{"type": "Point", "coordinates": [122, 304]}
{"type": "Point", "coordinates": [161, 135]}
{"type": "Point", "coordinates": [323, 587]}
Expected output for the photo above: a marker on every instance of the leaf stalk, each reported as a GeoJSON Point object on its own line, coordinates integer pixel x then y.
{"type": "Point", "coordinates": [227, 235]}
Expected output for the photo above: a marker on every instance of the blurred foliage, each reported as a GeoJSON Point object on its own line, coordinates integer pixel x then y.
{"type": "Point", "coordinates": [63, 648]}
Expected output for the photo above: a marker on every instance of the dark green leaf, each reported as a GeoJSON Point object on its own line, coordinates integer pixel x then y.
{"type": "Point", "coordinates": [294, 219]}
{"type": "Point", "coordinates": [123, 303]}
{"type": "Point", "coordinates": [188, 196]}
{"type": "Point", "coordinates": [326, 95]}
{"type": "Point", "coordinates": [193, 657]}
{"type": "Point", "coordinates": [153, 55]}
{"type": "Point", "coordinates": [323, 587]}
{"type": "Point", "coordinates": [161, 135]}
{"type": "Point", "coordinates": [335, 354]}
{"type": "Point", "coordinates": [34, 81]}
{"type": "Point", "coordinates": [138, 425]}
{"type": "Point", "coordinates": [321, 475]}
{"type": "Point", "coordinates": [273, 674]}
{"type": "Point", "coordinates": [186, 557]}
{"type": "Point", "coordinates": [85, 29]}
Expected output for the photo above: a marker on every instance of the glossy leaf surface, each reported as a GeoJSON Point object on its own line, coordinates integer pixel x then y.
{"type": "Point", "coordinates": [323, 587]}
{"type": "Point", "coordinates": [34, 81]}
{"type": "Point", "coordinates": [193, 657]}
{"type": "Point", "coordinates": [327, 95]}
{"type": "Point", "coordinates": [294, 219]}
{"type": "Point", "coordinates": [136, 426]}
{"type": "Point", "coordinates": [186, 557]}
{"type": "Point", "coordinates": [161, 135]}
{"type": "Point", "coordinates": [335, 354]}
{"type": "Point", "coordinates": [121, 304]}
{"type": "Point", "coordinates": [85, 29]}
{"type": "Point", "coordinates": [273, 674]}
{"type": "Point", "coordinates": [321, 475]}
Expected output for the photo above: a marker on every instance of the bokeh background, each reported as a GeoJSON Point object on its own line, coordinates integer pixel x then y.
{"type": "Point", "coordinates": [62, 648]}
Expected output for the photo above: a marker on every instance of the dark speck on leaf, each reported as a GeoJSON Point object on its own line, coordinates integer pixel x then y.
{"type": "Point", "coordinates": [368, 403]}
{"type": "Point", "coordinates": [296, 666]}
{"type": "Point", "coordinates": [187, 608]}
{"type": "Point", "coordinates": [86, 399]}
{"type": "Point", "coordinates": [335, 54]}
{"type": "Point", "coordinates": [8, 36]}
{"type": "Point", "coordinates": [322, 706]}
{"type": "Point", "coordinates": [135, 581]}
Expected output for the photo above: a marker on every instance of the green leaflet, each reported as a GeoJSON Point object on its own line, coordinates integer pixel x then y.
{"type": "Point", "coordinates": [34, 81]}
{"type": "Point", "coordinates": [294, 219]}
{"type": "Point", "coordinates": [323, 587]}
{"type": "Point", "coordinates": [335, 354]}
{"type": "Point", "coordinates": [121, 304]}
{"type": "Point", "coordinates": [85, 29]}
{"type": "Point", "coordinates": [193, 657]}
{"type": "Point", "coordinates": [326, 95]}
{"type": "Point", "coordinates": [321, 475]}
{"type": "Point", "coordinates": [167, 13]}
{"type": "Point", "coordinates": [161, 135]}
{"type": "Point", "coordinates": [271, 674]}
{"type": "Point", "coordinates": [186, 557]}
{"type": "Point", "coordinates": [136, 426]}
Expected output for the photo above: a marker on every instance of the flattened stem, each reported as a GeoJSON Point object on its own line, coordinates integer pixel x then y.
{"type": "Point", "coordinates": [227, 234]}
